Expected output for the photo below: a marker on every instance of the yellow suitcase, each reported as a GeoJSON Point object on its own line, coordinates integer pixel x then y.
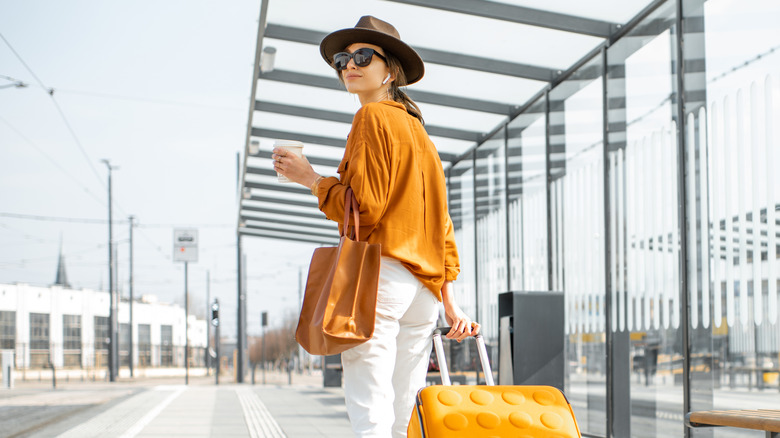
{"type": "Point", "coordinates": [523, 411]}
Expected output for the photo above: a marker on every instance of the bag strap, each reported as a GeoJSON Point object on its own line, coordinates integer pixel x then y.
{"type": "Point", "coordinates": [351, 204]}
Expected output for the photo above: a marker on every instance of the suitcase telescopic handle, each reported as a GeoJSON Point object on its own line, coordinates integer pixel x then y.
{"type": "Point", "coordinates": [481, 349]}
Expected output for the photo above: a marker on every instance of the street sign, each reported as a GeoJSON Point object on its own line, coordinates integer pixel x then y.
{"type": "Point", "coordinates": [185, 245]}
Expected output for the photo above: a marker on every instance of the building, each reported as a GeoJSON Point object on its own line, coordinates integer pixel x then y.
{"type": "Point", "coordinates": [68, 328]}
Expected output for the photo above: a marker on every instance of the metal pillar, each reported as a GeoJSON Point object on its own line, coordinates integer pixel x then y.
{"type": "Point", "coordinates": [208, 326]}
{"type": "Point", "coordinates": [547, 184]}
{"type": "Point", "coordinates": [131, 295]}
{"type": "Point", "coordinates": [186, 328]}
{"type": "Point", "coordinates": [241, 320]}
{"type": "Point", "coordinates": [112, 315]}
{"type": "Point", "coordinates": [682, 205]}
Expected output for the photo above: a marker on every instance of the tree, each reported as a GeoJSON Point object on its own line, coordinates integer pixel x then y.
{"type": "Point", "coordinates": [280, 342]}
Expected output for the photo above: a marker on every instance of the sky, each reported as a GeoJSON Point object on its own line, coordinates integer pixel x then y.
{"type": "Point", "coordinates": [162, 91]}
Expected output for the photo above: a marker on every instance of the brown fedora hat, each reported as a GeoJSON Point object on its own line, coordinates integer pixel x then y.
{"type": "Point", "coordinates": [371, 30]}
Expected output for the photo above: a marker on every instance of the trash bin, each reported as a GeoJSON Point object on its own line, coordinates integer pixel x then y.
{"type": "Point", "coordinates": [331, 371]}
{"type": "Point", "coordinates": [531, 338]}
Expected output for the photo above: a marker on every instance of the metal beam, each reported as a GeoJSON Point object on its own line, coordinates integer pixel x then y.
{"type": "Point", "coordinates": [297, 214]}
{"type": "Point", "coordinates": [331, 83]}
{"type": "Point", "coordinates": [326, 225]}
{"type": "Point", "coordinates": [285, 236]}
{"type": "Point", "coordinates": [522, 15]}
{"type": "Point", "coordinates": [487, 65]}
{"type": "Point", "coordinates": [452, 59]}
{"type": "Point", "coordinates": [278, 228]}
{"type": "Point", "coordinates": [274, 201]}
{"type": "Point", "coordinates": [295, 188]}
{"type": "Point", "coordinates": [267, 154]}
{"type": "Point", "coordinates": [302, 111]}
{"type": "Point", "coordinates": [315, 139]}
{"type": "Point", "coordinates": [334, 116]}
{"type": "Point", "coordinates": [306, 138]}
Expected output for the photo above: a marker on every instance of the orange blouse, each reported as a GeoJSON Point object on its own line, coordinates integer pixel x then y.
{"type": "Point", "coordinates": [398, 180]}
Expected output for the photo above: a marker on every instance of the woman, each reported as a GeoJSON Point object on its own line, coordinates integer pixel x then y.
{"type": "Point", "coordinates": [397, 177]}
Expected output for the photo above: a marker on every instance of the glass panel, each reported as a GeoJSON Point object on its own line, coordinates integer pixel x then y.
{"type": "Point", "coordinates": [39, 340]}
{"type": "Point", "coordinates": [643, 216]}
{"type": "Point", "coordinates": [124, 345]}
{"type": "Point", "coordinates": [7, 330]}
{"type": "Point", "coordinates": [71, 338]}
{"type": "Point", "coordinates": [461, 194]}
{"type": "Point", "coordinates": [144, 345]}
{"type": "Point", "coordinates": [491, 232]}
{"type": "Point", "coordinates": [101, 341]}
{"type": "Point", "coordinates": [528, 199]}
{"type": "Point", "coordinates": [166, 345]}
{"type": "Point", "coordinates": [732, 108]}
{"type": "Point", "coordinates": [577, 201]}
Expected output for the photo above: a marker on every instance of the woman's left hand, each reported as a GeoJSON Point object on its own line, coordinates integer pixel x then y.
{"type": "Point", "coordinates": [295, 168]}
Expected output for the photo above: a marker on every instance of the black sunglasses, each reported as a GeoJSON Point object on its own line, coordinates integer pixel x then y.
{"type": "Point", "coordinates": [362, 58]}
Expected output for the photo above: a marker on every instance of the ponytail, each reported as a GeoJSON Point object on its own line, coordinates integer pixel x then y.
{"type": "Point", "coordinates": [399, 96]}
{"type": "Point", "coordinates": [396, 93]}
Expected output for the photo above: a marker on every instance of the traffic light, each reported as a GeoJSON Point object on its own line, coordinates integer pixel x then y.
{"type": "Point", "coordinates": [215, 313]}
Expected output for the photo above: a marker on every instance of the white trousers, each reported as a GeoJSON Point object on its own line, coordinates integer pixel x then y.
{"type": "Point", "coordinates": [382, 376]}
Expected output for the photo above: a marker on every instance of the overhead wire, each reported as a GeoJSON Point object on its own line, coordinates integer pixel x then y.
{"type": "Point", "coordinates": [59, 218]}
{"type": "Point", "coordinates": [54, 162]}
{"type": "Point", "coordinates": [147, 100]}
{"type": "Point", "coordinates": [21, 83]}
{"type": "Point", "coordinates": [50, 92]}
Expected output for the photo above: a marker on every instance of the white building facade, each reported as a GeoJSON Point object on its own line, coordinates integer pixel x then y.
{"type": "Point", "coordinates": [68, 328]}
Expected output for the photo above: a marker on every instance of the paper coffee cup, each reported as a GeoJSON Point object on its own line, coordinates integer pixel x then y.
{"type": "Point", "coordinates": [291, 146]}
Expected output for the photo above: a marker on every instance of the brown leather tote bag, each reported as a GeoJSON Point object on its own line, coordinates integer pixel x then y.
{"type": "Point", "coordinates": [339, 306]}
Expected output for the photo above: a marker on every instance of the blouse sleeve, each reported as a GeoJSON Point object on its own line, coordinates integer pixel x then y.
{"type": "Point", "coordinates": [451, 258]}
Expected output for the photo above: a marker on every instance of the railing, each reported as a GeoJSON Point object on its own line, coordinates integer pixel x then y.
{"type": "Point", "coordinates": [95, 357]}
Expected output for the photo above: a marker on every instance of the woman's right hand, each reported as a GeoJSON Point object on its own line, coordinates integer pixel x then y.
{"type": "Point", "coordinates": [462, 325]}
{"type": "Point", "coordinates": [295, 168]}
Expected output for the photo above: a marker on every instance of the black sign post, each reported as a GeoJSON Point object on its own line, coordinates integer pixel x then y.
{"type": "Point", "coordinates": [264, 323]}
{"type": "Point", "coordinates": [215, 323]}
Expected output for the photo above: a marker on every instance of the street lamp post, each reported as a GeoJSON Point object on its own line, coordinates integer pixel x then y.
{"type": "Point", "coordinates": [112, 347]}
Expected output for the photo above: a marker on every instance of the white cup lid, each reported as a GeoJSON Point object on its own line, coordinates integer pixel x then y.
{"type": "Point", "coordinates": [288, 143]}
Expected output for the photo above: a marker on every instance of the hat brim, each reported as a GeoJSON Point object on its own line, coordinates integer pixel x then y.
{"type": "Point", "coordinates": [337, 41]}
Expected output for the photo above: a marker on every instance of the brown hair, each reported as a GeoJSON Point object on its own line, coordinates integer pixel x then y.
{"type": "Point", "coordinates": [396, 94]}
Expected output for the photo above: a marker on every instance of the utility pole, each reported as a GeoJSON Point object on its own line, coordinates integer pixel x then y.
{"type": "Point", "coordinates": [131, 294]}
{"type": "Point", "coordinates": [112, 299]}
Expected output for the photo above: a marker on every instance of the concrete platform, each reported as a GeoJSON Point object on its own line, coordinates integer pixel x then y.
{"type": "Point", "coordinates": [151, 408]}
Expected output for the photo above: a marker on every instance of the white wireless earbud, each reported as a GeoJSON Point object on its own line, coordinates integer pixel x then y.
{"type": "Point", "coordinates": [386, 79]}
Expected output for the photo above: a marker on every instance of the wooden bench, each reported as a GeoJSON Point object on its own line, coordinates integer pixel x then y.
{"type": "Point", "coordinates": [761, 419]}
